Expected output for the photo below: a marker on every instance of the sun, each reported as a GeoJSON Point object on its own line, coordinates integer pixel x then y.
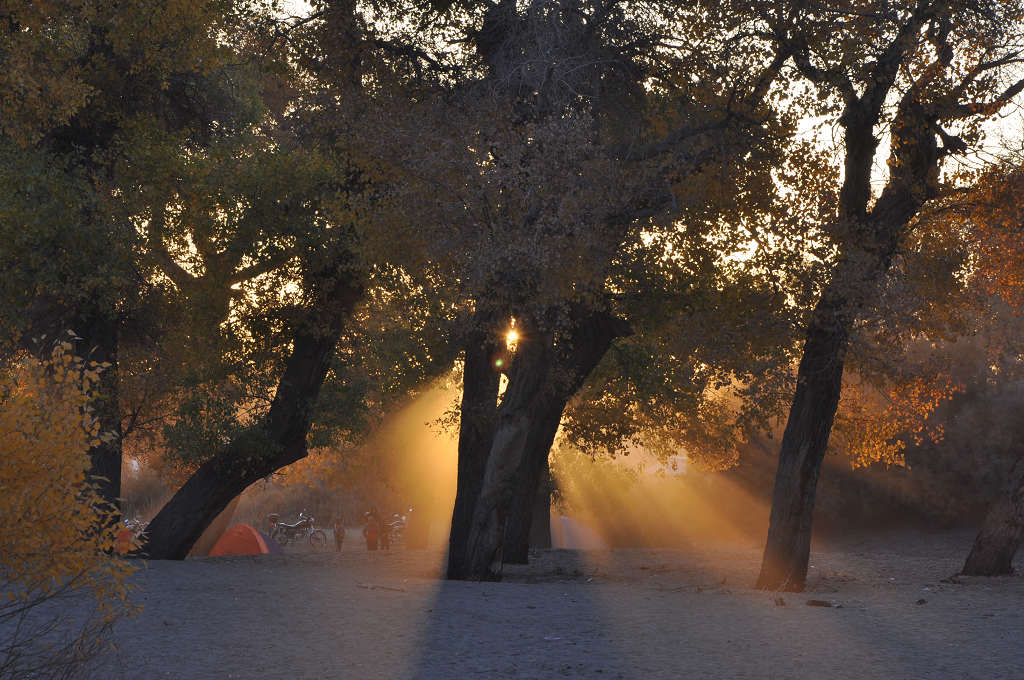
{"type": "Point", "coordinates": [511, 338]}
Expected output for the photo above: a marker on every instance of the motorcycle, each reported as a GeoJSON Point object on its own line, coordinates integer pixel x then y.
{"type": "Point", "coordinates": [396, 527]}
{"type": "Point", "coordinates": [303, 529]}
{"type": "Point", "coordinates": [135, 525]}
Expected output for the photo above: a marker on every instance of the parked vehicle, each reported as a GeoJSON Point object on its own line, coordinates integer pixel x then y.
{"type": "Point", "coordinates": [303, 529]}
{"type": "Point", "coordinates": [135, 525]}
{"type": "Point", "coordinates": [396, 527]}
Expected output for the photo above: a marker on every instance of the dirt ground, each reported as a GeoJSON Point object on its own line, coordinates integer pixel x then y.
{"type": "Point", "coordinates": [630, 613]}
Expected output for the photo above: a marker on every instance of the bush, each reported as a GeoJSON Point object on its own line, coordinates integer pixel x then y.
{"type": "Point", "coordinates": [62, 588]}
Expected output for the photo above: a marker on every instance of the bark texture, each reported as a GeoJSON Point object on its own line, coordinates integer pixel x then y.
{"type": "Point", "coordinates": [996, 544]}
{"type": "Point", "coordinates": [514, 434]}
{"type": "Point", "coordinates": [278, 440]}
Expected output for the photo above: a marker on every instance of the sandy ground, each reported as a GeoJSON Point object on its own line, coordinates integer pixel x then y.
{"type": "Point", "coordinates": [609, 614]}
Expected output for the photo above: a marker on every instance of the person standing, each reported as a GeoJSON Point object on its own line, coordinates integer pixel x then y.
{"type": "Point", "coordinates": [339, 533]}
{"type": "Point", "coordinates": [372, 529]}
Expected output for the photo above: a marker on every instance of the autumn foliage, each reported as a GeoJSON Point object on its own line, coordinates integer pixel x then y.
{"type": "Point", "coordinates": [61, 588]}
{"type": "Point", "coordinates": [997, 216]}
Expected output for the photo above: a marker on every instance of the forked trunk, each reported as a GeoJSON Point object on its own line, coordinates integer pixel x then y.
{"type": "Point", "coordinates": [529, 521]}
{"type": "Point", "coordinates": [873, 238]}
{"type": "Point", "coordinates": [479, 414]}
{"type": "Point", "coordinates": [1001, 533]}
{"type": "Point", "coordinates": [804, 442]}
{"type": "Point", "coordinates": [542, 379]}
{"type": "Point", "coordinates": [515, 436]}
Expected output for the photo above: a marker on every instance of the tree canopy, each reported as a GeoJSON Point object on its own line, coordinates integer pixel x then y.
{"type": "Point", "coordinates": [276, 228]}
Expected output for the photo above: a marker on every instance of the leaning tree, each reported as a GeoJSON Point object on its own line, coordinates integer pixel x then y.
{"type": "Point", "coordinates": [287, 264]}
{"type": "Point", "coordinates": [924, 75]}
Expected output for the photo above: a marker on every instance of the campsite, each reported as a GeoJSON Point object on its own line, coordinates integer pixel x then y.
{"type": "Point", "coordinates": [511, 339]}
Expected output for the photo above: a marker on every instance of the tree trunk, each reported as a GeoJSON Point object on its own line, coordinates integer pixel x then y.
{"type": "Point", "coordinates": [528, 524]}
{"type": "Point", "coordinates": [532, 493]}
{"type": "Point", "coordinates": [479, 411]}
{"type": "Point", "coordinates": [99, 342]}
{"type": "Point", "coordinates": [1001, 533]}
{"type": "Point", "coordinates": [96, 338]}
{"type": "Point", "coordinates": [278, 440]}
{"type": "Point", "coordinates": [872, 240]}
{"type": "Point", "coordinates": [541, 380]}
{"type": "Point", "coordinates": [804, 442]}
{"type": "Point", "coordinates": [515, 435]}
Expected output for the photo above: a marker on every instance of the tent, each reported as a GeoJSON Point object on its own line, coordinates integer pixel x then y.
{"type": "Point", "coordinates": [242, 539]}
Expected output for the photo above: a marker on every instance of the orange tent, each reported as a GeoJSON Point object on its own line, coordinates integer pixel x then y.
{"type": "Point", "coordinates": [240, 539]}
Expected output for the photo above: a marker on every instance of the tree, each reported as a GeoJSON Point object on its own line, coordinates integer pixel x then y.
{"type": "Point", "coordinates": [79, 91]}
{"type": "Point", "coordinates": [278, 437]}
{"type": "Point", "coordinates": [927, 73]}
{"type": "Point", "coordinates": [546, 152]}
{"type": "Point", "coordinates": [279, 271]}
{"type": "Point", "coordinates": [319, 253]}
{"type": "Point", "coordinates": [135, 164]}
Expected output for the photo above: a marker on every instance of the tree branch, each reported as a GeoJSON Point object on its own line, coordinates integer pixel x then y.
{"type": "Point", "coordinates": [821, 76]}
{"type": "Point", "coordinates": [185, 281]}
{"type": "Point", "coordinates": [989, 108]}
{"type": "Point", "coordinates": [885, 69]}
{"type": "Point", "coordinates": [260, 268]}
